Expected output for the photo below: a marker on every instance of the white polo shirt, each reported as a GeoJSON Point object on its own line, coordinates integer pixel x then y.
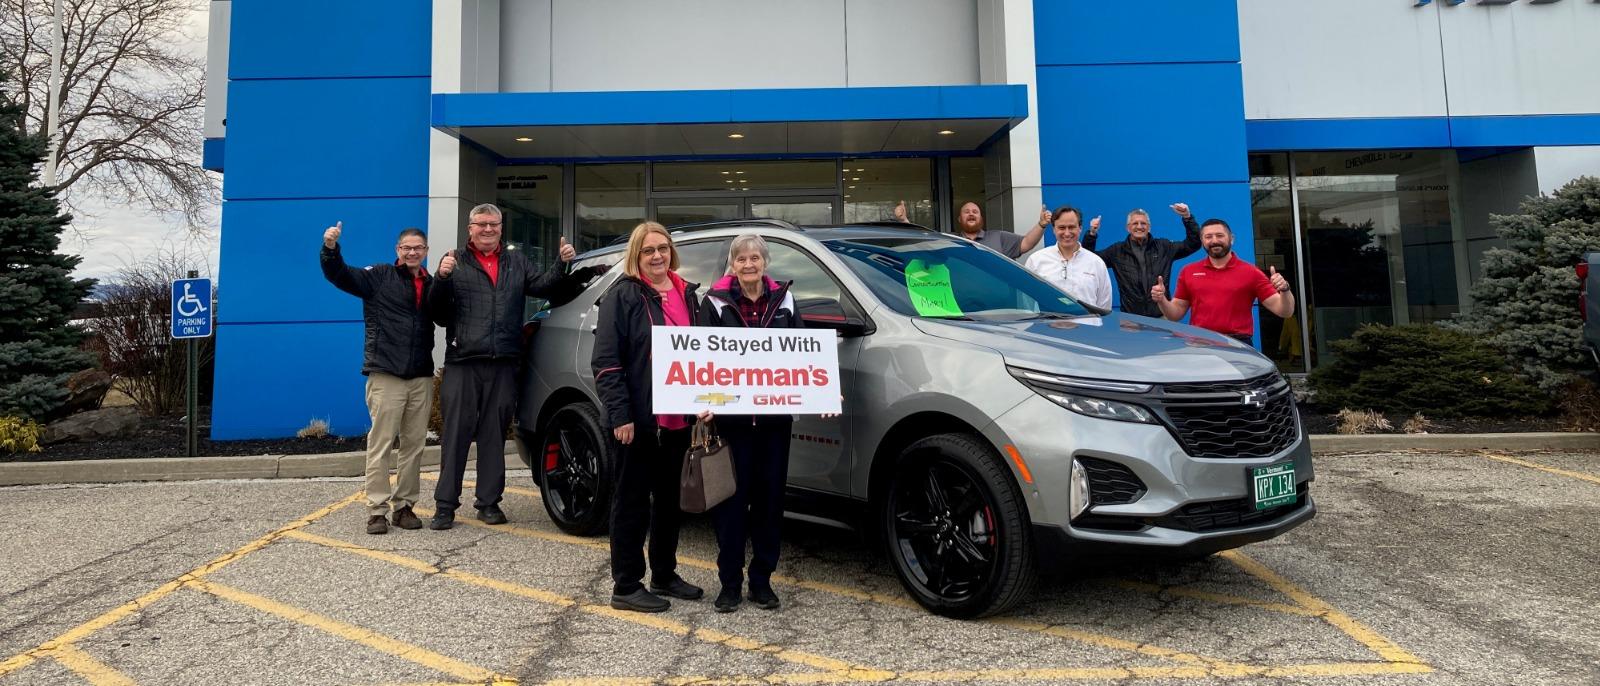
{"type": "Point", "coordinates": [1083, 277]}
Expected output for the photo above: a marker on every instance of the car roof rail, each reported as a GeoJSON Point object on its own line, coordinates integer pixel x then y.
{"type": "Point", "coordinates": [724, 223]}
{"type": "Point", "coordinates": [889, 223]}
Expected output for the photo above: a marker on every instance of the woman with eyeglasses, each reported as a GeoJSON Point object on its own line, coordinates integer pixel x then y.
{"type": "Point", "coordinates": [649, 294]}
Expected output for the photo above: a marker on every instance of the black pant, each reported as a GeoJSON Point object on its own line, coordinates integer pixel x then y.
{"type": "Point", "coordinates": [755, 512]}
{"type": "Point", "coordinates": [477, 400]}
{"type": "Point", "coordinates": [646, 501]}
{"type": "Point", "coordinates": [1245, 338]}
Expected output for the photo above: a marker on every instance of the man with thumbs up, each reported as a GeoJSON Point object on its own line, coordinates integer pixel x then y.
{"type": "Point", "coordinates": [398, 366]}
{"type": "Point", "coordinates": [1217, 292]}
{"type": "Point", "coordinates": [479, 296]}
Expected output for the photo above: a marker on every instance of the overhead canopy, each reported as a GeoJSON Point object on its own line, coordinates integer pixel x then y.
{"type": "Point", "coordinates": [723, 123]}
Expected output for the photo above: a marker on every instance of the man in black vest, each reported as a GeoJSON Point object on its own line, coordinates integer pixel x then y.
{"type": "Point", "coordinates": [398, 366]}
{"type": "Point", "coordinates": [478, 296]}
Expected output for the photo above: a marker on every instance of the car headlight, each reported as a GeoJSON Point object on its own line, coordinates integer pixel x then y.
{"type": "Point", "coordinates": [1101, 408]}
{"type": "Point", "coordinates": [1078, 502]}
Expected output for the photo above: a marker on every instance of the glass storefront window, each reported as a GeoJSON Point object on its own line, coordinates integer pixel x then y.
{"type": "Point", "coordinates": [1272, 213]}
{"type": "Point", "coordinates": [967, 183]}
{"type": "Point", "coordinates": [745, 175]}
{"type": "Point", "coordinates": [610, 202]}
{"type": "Point", "coordinates": [530, 198]}
{"type": "Point", "coordinates": [872, 189]}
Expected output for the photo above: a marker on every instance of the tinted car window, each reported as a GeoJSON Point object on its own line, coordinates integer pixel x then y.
{"type": "Point", "coordinates": [811, 283]}
{"type": "Point", "coordinates": [703, 262]}
{"type": "Point", "coordinates": [945, 278]}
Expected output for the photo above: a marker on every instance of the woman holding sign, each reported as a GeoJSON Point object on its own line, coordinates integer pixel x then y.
{"type": "Point", "coordinates": [649, 294]}
{"type": "Point", "coordinates": [747, 297]}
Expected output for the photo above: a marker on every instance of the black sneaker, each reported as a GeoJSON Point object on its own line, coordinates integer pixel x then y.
{"type": "Point", "coordinates": [763, 597]}
{"type": "Point", "coordinates": [678, 588]}
{"type": "Point", "coordinates": [491, 515]}
{"type": "Point", "coordinates": [728, 600]}
{"type": "Point", "coordinates": [377, 525]}
{"type": "Point", "coordinates": [442, 520]}
{"type": "Point", "coordinates": [640, 601]}
{"type": "Point", "coordinates": [405, 518]}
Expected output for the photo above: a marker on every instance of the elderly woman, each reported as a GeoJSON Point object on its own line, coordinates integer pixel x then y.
{"type": "Point", "coordinates": [747, 297]}
{"type": "Point", "coordinates": [649, 294]}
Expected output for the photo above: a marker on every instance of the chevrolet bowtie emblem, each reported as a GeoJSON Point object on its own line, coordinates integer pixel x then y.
{"type": "Point", "coordinates": [718, 399]}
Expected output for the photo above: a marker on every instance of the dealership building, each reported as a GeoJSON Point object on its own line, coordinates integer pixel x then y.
{"type": "Point", "coordinates": [1359, 146]}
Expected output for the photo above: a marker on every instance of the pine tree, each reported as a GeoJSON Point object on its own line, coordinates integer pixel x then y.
{"type": "Point", "coordinates": [1526, 304]}
{"type": "Point", "coordinates": [38, 348]}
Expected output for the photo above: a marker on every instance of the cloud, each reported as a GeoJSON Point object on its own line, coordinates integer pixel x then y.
{"type": "Point", "coordinates": [112, 237]}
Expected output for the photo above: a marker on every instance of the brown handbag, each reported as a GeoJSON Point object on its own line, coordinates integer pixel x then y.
{"type": "Point", "coordinates": [707, 470]}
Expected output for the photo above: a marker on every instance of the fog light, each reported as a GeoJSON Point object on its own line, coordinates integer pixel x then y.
{"type": "Point", "coordinates": [1078, 498]}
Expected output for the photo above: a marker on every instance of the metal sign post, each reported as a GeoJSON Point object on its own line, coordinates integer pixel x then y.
{"type": "Point", "coordinates": [191, 319]}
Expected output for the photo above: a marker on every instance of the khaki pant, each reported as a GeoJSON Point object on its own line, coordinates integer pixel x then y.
{"type": "Point", "coordinates": [399, 407]}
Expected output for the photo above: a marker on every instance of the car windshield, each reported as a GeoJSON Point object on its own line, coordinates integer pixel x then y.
{"type": "Point", "coordinates": [949, 279]}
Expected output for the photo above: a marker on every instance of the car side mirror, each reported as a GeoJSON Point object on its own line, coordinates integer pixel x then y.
{"type": "Point", "coordinates": [827, 313]}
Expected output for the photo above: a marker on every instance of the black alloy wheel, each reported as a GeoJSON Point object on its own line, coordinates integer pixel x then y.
{"type": "Point", "coordinates": [956, 528]}
{"type": "Point", "coordinates": [574, 468]}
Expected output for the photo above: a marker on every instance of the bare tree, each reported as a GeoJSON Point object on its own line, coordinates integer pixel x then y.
{"type": "Point", "coordinates": [131, 331]}
{"type": "Point", "coordinates": [132, 99]}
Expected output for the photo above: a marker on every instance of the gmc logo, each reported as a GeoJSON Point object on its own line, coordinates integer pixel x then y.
{"type": "Point", "coordinates": [1453, 3]}
{"type": "Point", "coordinates": [777, 400]}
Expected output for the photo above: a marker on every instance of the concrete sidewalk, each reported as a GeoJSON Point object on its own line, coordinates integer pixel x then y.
{"type": "Point", "coordinates": [354, 463]}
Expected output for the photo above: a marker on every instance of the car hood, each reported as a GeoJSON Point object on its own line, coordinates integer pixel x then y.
{"type": "Point", "coordinates": [1118, 346]}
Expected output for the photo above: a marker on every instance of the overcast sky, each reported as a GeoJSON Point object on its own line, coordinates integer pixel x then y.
{"type": "Point", "coordinates": [118, 235]}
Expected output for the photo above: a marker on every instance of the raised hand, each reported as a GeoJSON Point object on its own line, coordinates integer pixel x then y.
{"type": "Point", "coordinates": [1182, 209]}
{"type": "Point", "coordinates": [1044, 215]}
{"type": "Point", "coordinates": [900, 212]}
{"type": "Point", "coordinates": [567, 252]}
{"type": "Point", "coordinates": [330, 238]}
{"type": "Point", "coordinates": [1158, 292]}
{"type": "Point", "coordinates": [446, 265]}
{"type": "Point", "coordinates": [1094, 225]}
{"type": "Point", "coordinates": [1277, 280]}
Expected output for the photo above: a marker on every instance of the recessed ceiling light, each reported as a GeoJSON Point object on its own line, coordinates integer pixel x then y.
{"type": "Point", "coordinates": [736, 135]}
{"type": "Point", "coordinates": [738, 172]}
{"type": "Point", "coordinates": [744, 180]}
{"type": "Point", "coordinates": [727, 172]}
{"type": "Point", "coordinates": [855, 178]}
{"type": "Point", "coordinates": [860, 169]}
{"type": "Point", "coordinates": [846, 195]}
{"type": "Point", "coordinates": [946, 132]}
{"type": "Point", "coordinates": [524, 139]}
{"type": "Point", "coordinates": [850, 187]}
{"type": "Point", "coordinates": [727, 180]}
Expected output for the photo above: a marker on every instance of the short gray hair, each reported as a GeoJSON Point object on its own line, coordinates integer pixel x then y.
{"type": "Point", "coordinates": [485, 208]}
{"type": "Point", "coordinates": [1138, 213]}
{"type": "Point", "coordinates": [746, 242]}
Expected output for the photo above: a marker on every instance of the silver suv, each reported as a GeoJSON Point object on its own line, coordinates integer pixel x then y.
{"type": "Point", "coordinates": [992, 425]}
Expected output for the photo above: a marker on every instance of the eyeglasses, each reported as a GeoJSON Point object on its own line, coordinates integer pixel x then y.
{"type": "Point", "coordinates": [412, 248]}
{"type": "Point", "coordinates": [650, 252]}
{"type": "Point", "coordinates": [485, 225]}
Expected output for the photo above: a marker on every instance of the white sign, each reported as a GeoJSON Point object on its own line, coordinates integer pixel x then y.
{"type": "Point", "coordinates": [744, 371]}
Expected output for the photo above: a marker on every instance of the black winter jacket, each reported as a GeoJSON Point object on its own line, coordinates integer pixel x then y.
{"type": "Point", "coordinates": [483, 319]}
{"type": "Point", "coordinates": [621, 359]}
{"type": "Point", "coordinates": [721, 308]}
{"type": "Point", "coordinates": [1137, 266]}
{"type": "Point", "coordinates": [399, 333]}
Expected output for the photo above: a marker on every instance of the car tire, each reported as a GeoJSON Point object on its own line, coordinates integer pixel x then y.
{"type": "Point", "coordinates": [956, 529]}
{"type": "Point", "coordinates": [576, 470]}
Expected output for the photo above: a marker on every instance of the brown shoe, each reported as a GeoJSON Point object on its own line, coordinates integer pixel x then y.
{"type": "Point", "coordinates": [377, 525]}
{"type": "Point", "coordinates": [405, 519]}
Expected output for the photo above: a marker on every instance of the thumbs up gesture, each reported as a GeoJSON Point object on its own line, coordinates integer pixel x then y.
{"type": "Point", "coordinates": [1158, 292]}
{"type": "Point", "coordinates": [446, 265]}
{"type": "Point", "coordinates": [330, 238]}
{"type": "Point", "coordinates": [567, 252]}
{"type": "Point", "coordinates": [900, 212]}
{"type": "Point", "coordinates": [1094, 225]}
{"type": "Point", "coordinates": [1182, 209]}
{"type": "Point", "coordinates": [1044, 216]}
{"type": "Point", "coordinates": [1278, 282]}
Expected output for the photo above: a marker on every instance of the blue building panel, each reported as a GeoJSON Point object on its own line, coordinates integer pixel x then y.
{"type": "Point", "coordinates": [1348, 134]}
{"type": "Point", "coordinates": [1077, 32]}
{"type": "Point", "coordinates": [211, 153]}
{"type": "Point", "coordinates": [1525, 130]}
{"type": "Point", "coordinates": [1142, 123]}
{"type": "Point", "coordinates": [296, 39]}
{"type": "Point", "coordinates": [327, 138]}
{"type": "Point", "coordinates": [273, 379]}
{"type": "Point", "coordinates": [270, 254]}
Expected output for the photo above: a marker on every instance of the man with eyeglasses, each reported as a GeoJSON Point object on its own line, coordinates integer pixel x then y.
{"type": "Point", "coordinates": [398, 366]}
{"type": "Point", "coordinates": [478, 296]}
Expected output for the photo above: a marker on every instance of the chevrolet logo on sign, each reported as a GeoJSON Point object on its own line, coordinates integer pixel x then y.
{"type": "Point", "coordinates": [718, 399]}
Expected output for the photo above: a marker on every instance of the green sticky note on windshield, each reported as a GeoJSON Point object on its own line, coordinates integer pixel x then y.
{"type": "Point", "coordinates": [929, 288]}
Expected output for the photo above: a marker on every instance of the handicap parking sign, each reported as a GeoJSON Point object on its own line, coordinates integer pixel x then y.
{"type": "Point", "coordinates": [191, 308]}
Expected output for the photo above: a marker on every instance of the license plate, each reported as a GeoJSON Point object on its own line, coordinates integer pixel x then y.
{"type": "Point", "coordinates": [1273, 485]}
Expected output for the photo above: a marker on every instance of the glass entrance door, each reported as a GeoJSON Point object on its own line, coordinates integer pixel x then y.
{"type": "Point", "coordinates": [804, 210]}
{"type": "Point", "coordinates": [677, 211]}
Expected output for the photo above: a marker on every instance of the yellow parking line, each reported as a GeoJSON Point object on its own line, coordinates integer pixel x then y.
{"type": "Point", "coordinates": [1534, 465]}
{"type": "Point", "coordinates": [1220, 667]}
{"type": "Point", "coordinates": [531, 493]}
{"type": "Point", "coordinates": [1219, 598]}
{"type": "Point", "coordinates": [115, 615]}
{"type": "Point", "coordinates": [1000, 675]}
{"type": "Point", "coordinates": [351, 632]}
{"type": "Point", "coordinates": [85, 665]}
{"type": "Point", "coordinates": [651, 621]}
{"type": "Point", "coordinates": [1385, 648]}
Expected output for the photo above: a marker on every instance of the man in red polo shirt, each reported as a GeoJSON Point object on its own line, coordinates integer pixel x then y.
{"type": "Point", "coordinates": [1221, 288]}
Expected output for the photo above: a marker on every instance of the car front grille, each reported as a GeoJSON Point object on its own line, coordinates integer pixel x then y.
{"type": "Point", "coordinates": [1111, 483]}
{"type": "Point", "coordinates": [1214, 420]}
{"type": "Point", "coordinates": [1227, 514]}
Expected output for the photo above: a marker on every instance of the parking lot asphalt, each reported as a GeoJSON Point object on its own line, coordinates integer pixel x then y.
{"type": "Point", "coordinates": [1421, 568]}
